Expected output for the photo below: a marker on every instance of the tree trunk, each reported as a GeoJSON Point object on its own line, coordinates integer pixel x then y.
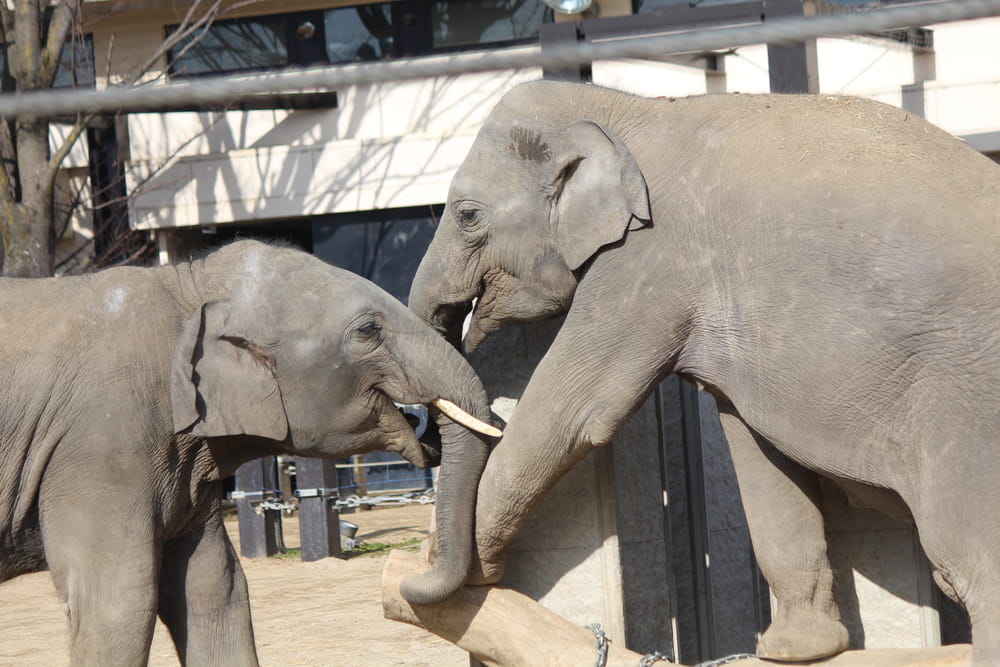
{"type": "Point", "coordinates": [28, 230]}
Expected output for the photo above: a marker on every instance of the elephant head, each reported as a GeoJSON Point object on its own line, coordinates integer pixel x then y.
{"type": "Point", "coordinates": [312, 359]}
{"type": "Point", "coordinates": [532, 203]}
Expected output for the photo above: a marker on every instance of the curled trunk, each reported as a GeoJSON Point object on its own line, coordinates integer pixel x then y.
{"type": "Point", "coordinates": [446, 375]}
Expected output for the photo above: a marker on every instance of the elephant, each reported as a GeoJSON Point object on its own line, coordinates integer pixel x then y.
{"type": "Point", "coordinates": [131, 393]}
{"type": "Point", "coordinates": [825, 266]}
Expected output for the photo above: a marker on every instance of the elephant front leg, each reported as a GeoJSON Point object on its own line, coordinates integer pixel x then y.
{"type": "Point", "coordinates": [104, 566]}
{"type": "Point", "coordinates": [781, 501]}
{"type": "Point", "coordinates": [204, 600]}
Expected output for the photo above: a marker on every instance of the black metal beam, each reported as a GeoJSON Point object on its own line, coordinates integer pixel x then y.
{"type": "Point", "coordinates": [553, 34]}
{"type": "Point", "coordinates": [288, 101]}
{"type": "Point", "coordinates": [787, 64]}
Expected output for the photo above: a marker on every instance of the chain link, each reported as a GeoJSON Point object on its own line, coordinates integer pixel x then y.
{"type": "Point", "coordinates": [725, 661]}
{"type": "Point", "coordinates": [276, 505]}
{"type": "Point", "coordinates": [387, 500]}
{"type": "Point", "coordinates": [602, 644]}
{"type": "Point", "coordinates": [650, 658]}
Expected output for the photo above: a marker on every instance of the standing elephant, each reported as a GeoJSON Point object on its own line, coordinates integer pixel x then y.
{"type": "Point", "coordinates": [827, 267]}
{"type": "Point", "coordinates": [131, 393]}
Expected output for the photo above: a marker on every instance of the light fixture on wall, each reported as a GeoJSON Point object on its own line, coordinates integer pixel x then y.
{"type": "Point", "coordinates": [569, 6]}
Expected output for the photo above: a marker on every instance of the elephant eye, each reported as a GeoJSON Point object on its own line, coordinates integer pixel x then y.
{"type": "Point", "coordinates": [370, 329]}
{"type": "Point", "coordinates": [468, 219]}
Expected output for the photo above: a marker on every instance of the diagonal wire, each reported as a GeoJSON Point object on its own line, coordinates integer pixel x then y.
{"type": "Point", "coordinates": [223, 89]}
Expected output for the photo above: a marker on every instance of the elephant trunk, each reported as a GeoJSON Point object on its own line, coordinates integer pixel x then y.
{"type": "Point", "coordinates": [463, 458]}
{"type": "Point", "coordinates": [436, 299]}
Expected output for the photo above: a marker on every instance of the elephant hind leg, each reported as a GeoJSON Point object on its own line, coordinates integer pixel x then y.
{"type": "Point", "coordinates": [781, 501]}
{"type": "Point", "coordinates": [958, 522]}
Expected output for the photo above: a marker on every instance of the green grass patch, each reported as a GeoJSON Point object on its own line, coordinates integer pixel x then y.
{"type": "Point", "coordinates": [371, 548]}
{"type": "Point", "coordinates": [365, 549]}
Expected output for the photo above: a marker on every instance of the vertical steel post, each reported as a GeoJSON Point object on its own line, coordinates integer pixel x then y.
{"type": "Point", "coordinates": [791, 67]}
{"type": "Point", "coordinates": [260, 533]}
{"type": "Point", "coordinates": [319, 520]}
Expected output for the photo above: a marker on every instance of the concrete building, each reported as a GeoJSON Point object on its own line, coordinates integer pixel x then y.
{"type": "Point", "coordinates": [358, 175]}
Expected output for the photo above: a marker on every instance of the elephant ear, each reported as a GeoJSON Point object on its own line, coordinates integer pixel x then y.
{"type": "Point", "coordinates": [222, 383]}
{"type": "Point", "coordinates": [600, 193]}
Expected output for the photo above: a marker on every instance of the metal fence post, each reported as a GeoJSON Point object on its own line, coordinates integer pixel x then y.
{"type": "Point", "coordinates": [260, 532]}
{"type": "Point", "coordinates": [319, 520]}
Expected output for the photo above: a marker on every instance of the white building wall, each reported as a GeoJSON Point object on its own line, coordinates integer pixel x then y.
{"type": "Point", "coordinates": [398, 144]}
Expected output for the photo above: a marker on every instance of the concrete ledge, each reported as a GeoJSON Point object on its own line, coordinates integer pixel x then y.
{"type": "Point", "coordinates": [502, 627]}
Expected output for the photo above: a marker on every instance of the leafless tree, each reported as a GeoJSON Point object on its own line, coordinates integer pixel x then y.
{"type": "Point", "coordinates": [35, 33]}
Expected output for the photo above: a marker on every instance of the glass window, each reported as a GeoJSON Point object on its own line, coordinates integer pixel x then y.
{"type": "Point", "coordinates": [458, 23]}
{"type": "Point", "coordinates": [232, 46]}
{"type": "Point", "coordinates": [358, 33]}
{"type": "Point", "coordinates": [76, 66]}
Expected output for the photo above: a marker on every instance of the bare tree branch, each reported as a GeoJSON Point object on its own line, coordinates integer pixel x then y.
{"type": "Point", "coordinates": [59, 29]}
{"type": "Point", "coordinates": [189, 25]}
{"type": "Point", "coordinates": [6, 21]}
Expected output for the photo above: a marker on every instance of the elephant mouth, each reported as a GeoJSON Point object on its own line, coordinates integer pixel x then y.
{"type": "Point", "coordinates": [423, 448]}
{"type": "Point", "coordinates": [449, 319]}
{"type": "Point", "coordinates": [479, 324]}
{"type": "Point", "coordinates": [425, 433]}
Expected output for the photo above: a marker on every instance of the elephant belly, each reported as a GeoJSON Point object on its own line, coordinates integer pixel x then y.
{"type": "Point", "coordinates": [21, 553]}
{"type": "Point", "coordinates": [886, 501]}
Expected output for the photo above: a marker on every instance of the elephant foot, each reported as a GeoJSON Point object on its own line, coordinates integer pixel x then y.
{"type": "Point", "coordinates": [803, 637]}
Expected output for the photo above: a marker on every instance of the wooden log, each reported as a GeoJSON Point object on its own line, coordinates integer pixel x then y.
{"type": "Point", "coordinates": [505, 628]}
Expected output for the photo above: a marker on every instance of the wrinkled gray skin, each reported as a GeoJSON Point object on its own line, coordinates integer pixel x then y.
{"type": "Point", "coordinates": [827, 267]}
{"type": "Point", "coordinates": [130, 393]}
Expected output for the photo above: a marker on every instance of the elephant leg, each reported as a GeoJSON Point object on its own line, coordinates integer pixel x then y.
{"type": "Point", "coordinates": [104, 560]}
{"type": "Point", "coordinates": [203, 598]}
{"type": "Point", "coordinates": [781, 501]}
{"type": "Point", "coordinates": [957, 511]}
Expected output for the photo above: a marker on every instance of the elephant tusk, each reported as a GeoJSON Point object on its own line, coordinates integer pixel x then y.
{"type": "Point", "coordinates": [460, 416]}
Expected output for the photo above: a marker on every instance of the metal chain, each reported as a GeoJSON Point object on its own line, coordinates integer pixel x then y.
{"type": "Point", "coordinates": [725, 661]}
{"type": "Point", "coordinates": [388, 500]}
{"type": "Point", "coordinates": [276, 505]}
{"type": "Point", "coordinates": [602, 644]}
{"type": "Point", "coordinates": [650, 658]}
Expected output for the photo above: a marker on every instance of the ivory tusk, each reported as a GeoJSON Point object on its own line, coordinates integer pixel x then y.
{"type": "Point", "coordinates": [460, 416]}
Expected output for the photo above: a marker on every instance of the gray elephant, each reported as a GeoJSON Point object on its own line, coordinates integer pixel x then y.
{"type": "Point", "coordinates": [131, 393]}
{"type": "Point", "coordinates": [827, 267]}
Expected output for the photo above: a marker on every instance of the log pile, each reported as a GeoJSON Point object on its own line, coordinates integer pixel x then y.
{"type": "Point", "coordinates": [505, 628]}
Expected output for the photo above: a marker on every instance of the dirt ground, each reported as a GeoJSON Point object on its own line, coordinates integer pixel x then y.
{"type": "Point", "coordinates": [322, 613]}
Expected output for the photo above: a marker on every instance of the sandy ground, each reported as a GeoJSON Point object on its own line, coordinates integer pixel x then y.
{"type": "Point", "coordinates": [322, 613]}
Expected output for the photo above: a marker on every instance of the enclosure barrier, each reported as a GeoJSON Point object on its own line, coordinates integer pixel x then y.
{"type": "Point", "coordinates": [505, 628]}
{"type": "Point", "coordinates": [223, 89]}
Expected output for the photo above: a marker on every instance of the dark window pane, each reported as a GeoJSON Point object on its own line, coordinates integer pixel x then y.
{"type": "Point", "coordinates": [358, 33]}
{"type": "Point", "coordinates": [234, 46]}
{"type": "Point", "coordinates": [467, 22]}
{"type": "Point", "coordinates": [76, 65]}
{"type": "Point", "coordinates": [383, 246]}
